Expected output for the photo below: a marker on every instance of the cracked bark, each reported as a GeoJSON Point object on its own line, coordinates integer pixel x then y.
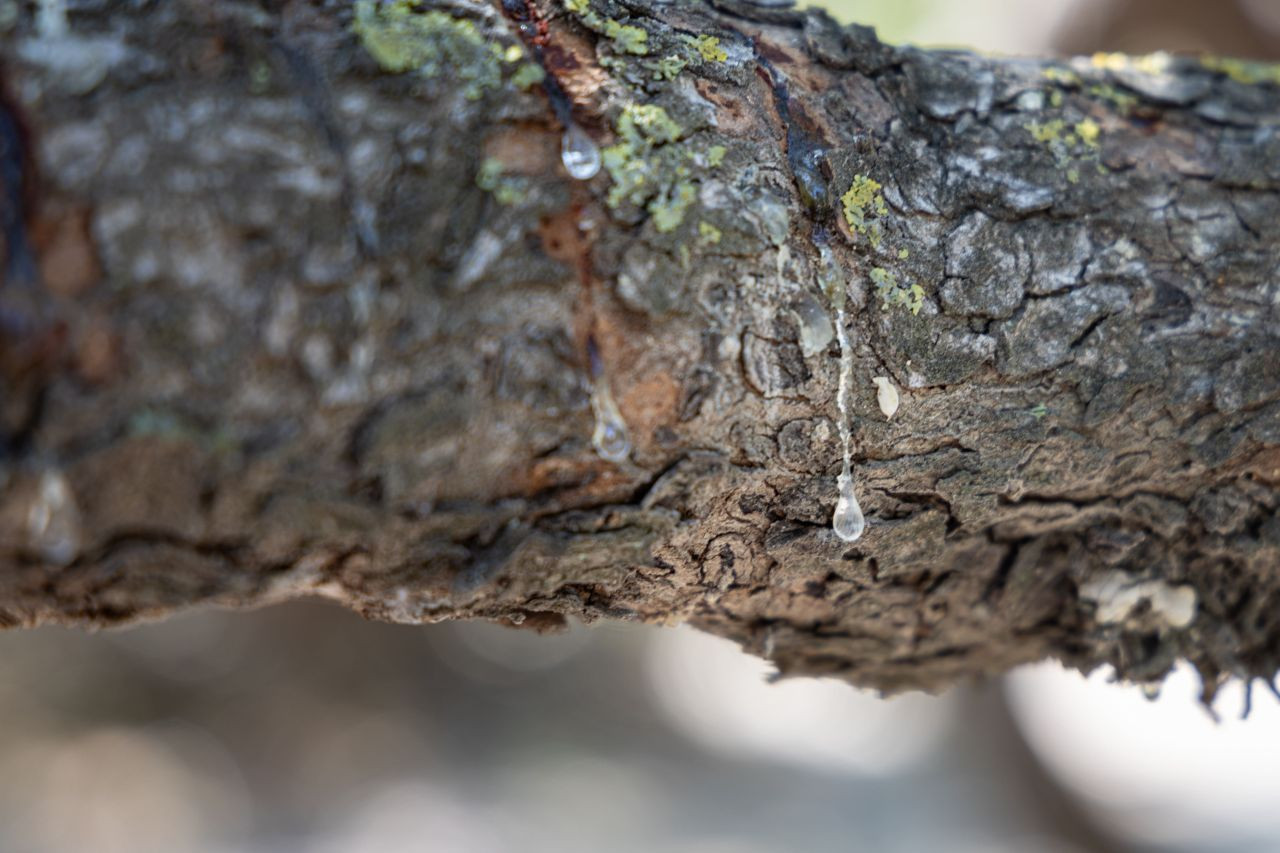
{"type": "Point", "coordinates": [281, 343]}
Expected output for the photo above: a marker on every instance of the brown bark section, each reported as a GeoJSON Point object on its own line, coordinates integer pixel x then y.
{"type": "Point", "coordinates": [304, 326]}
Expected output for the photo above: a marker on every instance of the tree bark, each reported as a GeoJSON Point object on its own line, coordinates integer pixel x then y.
{"type": "Point", "coordinates": [316, 310]}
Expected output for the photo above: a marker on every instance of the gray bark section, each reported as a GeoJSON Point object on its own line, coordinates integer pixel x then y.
{"type": "Point", "coordinates": [301, 351]}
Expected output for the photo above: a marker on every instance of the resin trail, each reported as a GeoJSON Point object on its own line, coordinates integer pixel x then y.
{"type": "Point", "coordinates": [847, 521]}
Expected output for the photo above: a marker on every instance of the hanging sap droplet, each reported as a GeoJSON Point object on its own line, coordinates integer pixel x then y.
{"type": "Point", "coordinates": [580, 154]}
{"type": "Point", "coordinates": [831, 278]}
{"type": "Point", "coordinates": [610, 436]}
{"type": "Point", "coordinates": [53, 520]}
{"type": "Point", "coordinates": [847, 521]}
{"type": "Point", "coordinates": [816, 330]}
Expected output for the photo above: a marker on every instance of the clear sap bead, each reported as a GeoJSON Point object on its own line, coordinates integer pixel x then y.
{"type": "Point", "coordinates": [580, 154]}
{"type": "Point", "coordinates": [611, 441]}
{"type": "Point", "coordinates": [847, 521]}
{"type": "Point", "coordinates": [53, 520]}
{"type": "Point", "coordinates": [816, 330]}
{"type": "Point", "coordinates": [610, 437]}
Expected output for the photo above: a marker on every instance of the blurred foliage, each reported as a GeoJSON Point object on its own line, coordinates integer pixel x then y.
{"type": "Point", "coordinates": [894, 20]}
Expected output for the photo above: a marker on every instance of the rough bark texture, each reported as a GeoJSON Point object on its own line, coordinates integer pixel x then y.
{"type": "Point", "coordinates": [317, 310]}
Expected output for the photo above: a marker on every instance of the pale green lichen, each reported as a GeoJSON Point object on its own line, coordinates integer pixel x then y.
{"type": "Point", "coordinates": [506, 189]}
{"type": "Point", "coordinates": [1151, 63]}
{"type": "Point", "coordinates": [708, 234]}
{"type": "Point", "coordinates": [1038, 411]}
{"type": "Point", "coordinates": [652, 167]}
{"type": "Point", "coordinates": [1070, 145]}
{"type": "Point", "coordinates": [169, 424]}
{"type": "Point", "coordinates": [668, 67]}
{"type": "Point", "coordinates": [715, 155]}
{"type": "Point", "coordinates": [863, 204]}
{"type": "Point", "coordinates": [259, 78]}
{"type": "Point", "coordinates": [634, 161]}
{"type": "Point", "coordinates": [1243, 70]}
{"type": "Point", "coordinates": [648, 123]}
{"type": "Point", "coordinates": [510, 192]}
{"type": "Point", "coordinates": [627, 38]}
{"type": "Point", "coordinates": [669, 206]}
{"type": "Point", "coordinates": [708, 47]}
{"type": "Point", "coordinates": [1046, 131]}
{"type": "Point", "coordinates": [1088, 131]}
{"type": "Point", "coordinates": [1122, 101]}
{"type": "Point", "coordinates": [490, 172]}
{"type": "Point", "coordinates": [401, 38]}
{"type": "Point", "coordinates": [1065, 76]}
{"type": "Point", "coordinates": [892, 292]}
{"type": "Point", "coordinates": [528, 75]}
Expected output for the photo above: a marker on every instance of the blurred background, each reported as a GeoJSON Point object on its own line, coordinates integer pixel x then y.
{"type": "Point", "coordinates": [306, 728]}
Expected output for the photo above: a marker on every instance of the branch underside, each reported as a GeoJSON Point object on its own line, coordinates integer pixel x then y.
{"type": "Point", "coordinates": [317, 310]}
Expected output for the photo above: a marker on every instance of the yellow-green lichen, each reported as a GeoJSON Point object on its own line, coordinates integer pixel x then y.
{"type": "Point", "coordinates": [708, 47]}
{"type": "Point", "coordinates": [1122, 101]}
{"type": "Point", "coordinates": [652, 167]}
{"type": "Point", "coordinates": [1046, 131]}
{"type": "Point", "coordinates": [647, 123]}
{"type": "Point", "coordinates": [1038, 411]}
{"type": "Point", "coordinates": [668, 67]}
{"type": "Point", "coordinates": [715, 155]}
{"type": "Point", "coordinates": [669, 206]}
{"type": "Point", "coordinates": [1070, 144]}
{"type": "Point", "coordinates": [528, 75]}
{"type": "Point", "coordinates": [1065, 76]}
{"type": "Point", "coordinates": [708, 234]}
{"type": "Point", "coordinates": [892, 292]}
{"type": "Point", "coordinates": [401, 37]}
{"type": "Point", "coordinates": [863, 204]}
{"type": "Point", "coordinates": [1151, 63]}
{"type": "Point", "coordinates": [635, 162]}
{"type": "Point", "coordinates": [627, 38]}
{"type": "Point", "coordinates": [1244, 70]}
{"type": "Point", "coordinates": [1088, 131]}
{"type": "Point", "coordinates": [506, 189]}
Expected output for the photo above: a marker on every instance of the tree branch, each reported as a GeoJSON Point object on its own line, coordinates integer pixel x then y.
{"type": "Point", "coordinates": [318, 310]}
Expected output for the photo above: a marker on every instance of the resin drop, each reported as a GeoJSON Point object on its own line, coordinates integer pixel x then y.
{"type": "Point", "coordinates": [816, 331]}
{"type": "Point", "coordinates": [53, 520]}
{"type": "Point", "coordinates": [847, 521]}
{"type": "Point", "coordinates": [610, 436]}
{"type": "Point", "coordinates": [580, 154]}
